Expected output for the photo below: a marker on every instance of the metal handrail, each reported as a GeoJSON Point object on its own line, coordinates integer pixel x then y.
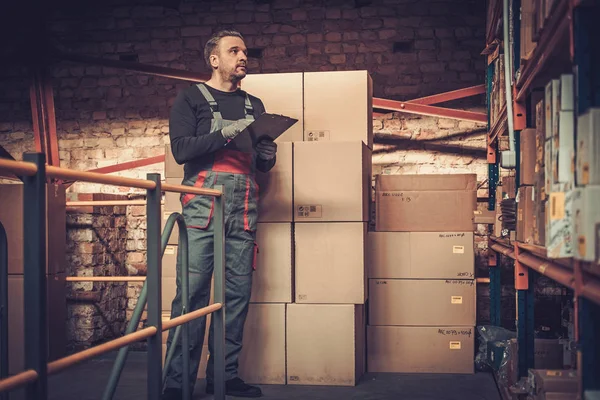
{"type": "Point", "coordinates": [34, 173]}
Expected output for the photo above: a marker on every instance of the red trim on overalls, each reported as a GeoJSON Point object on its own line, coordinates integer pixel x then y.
{"type": "Point", "coordinates": [233, 162]}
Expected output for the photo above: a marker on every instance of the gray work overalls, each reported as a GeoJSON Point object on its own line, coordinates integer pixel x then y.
{"type": "Point", "coordinates": [235, 171]}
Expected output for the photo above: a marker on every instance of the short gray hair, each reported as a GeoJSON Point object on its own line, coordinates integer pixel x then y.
{"type": "Point", "coordinates": [213, 42]}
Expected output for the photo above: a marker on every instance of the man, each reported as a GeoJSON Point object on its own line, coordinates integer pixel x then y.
{"type": "Point", "coordinates": [205, 118]}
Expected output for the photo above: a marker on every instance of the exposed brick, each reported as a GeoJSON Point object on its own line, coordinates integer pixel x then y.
{"type": "Point", "coordinates": [350, 14]}
{"type": "Point", "coordinates": [349, 48]}
{"type": "Point", "coordinates": [99, 115]}
{"type": "Point", "coordinates": [387, 34]}
{"type": "Point", "coordinates": [349, 36]}
{"type": "Point", "coordinates": [444, 33]}
{"type": "Point", "coordinates": [195, 31]}
{"type": "Point", "coordinates": [299, 15]}
{"type": "Point", "coordinates": [281, 39]}
{"type": "Point", "coordinates": [332, 48]}
{"type": "Point", "coordinates": [463, 32]}
{"type": "Point", "coordinates": [338, 59]}
{"type": "Point", "coordinates": [333, 13]}
{"type": "Point", "coordinates": [262, 17]}
{"type": "Point", "coordinates": [371, 23]}
{"type": "Point", "coordinates": [297, 39]}
{"type": "Point", "coordinates": [333, 37]}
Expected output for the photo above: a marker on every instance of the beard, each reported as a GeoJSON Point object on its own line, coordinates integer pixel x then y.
{"type": "Point", "coordinates": [234, 75]}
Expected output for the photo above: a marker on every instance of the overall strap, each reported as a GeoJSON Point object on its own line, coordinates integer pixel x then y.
{"type": "Point", "coordinates": [214, 107]}
{"type": "Point", "coordinates": [248, 108]}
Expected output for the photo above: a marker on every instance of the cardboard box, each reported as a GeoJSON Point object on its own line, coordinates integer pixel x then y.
{"type": "Point", "coordinates": [169, 289]}
{"type": "Point", "coordinates": [272, 279]}
{"type": "Point", "coordinates": [542, 381]}
{"type": "Point", "coordinates": [325, 344]}
{"type": "Point", "coordinates": [509, 187]}
{"type": "Point", "coordinates": [420, 255]}
{"type": "Point", "coordinates": [422, 302]}
{"type": "Point", "coordinates": [588, 148]}
{"type": "Point", "coordinates": [586, 222]}
{"type": "Point", "coordinates": [203, 360]}
{"type": "Point", "coordinates": [549, 123]}
{"type": "Point", "coordinates": [548, 167]}
{"type": "Point", "coordinates": [56, 312]}
{"type": "Point", "coordinates": [280, 94]}
{"type": "Point", "coordinates": [528, 156]}
{"type": "Point", "coordinates": [262, 360]}
{"type": "Point", "coordinates": [174, 237]}
{"type": "Point", "coordinates": [330, 263]}
{"type": "Point", "coordinates": [275, 201]}
{"type": "Point", "coordinates": [527, 26]}
{"type": "Point", "coordinates": [418, 349]}
{"type": "Point", "coordinates": [426, 203]}
{"type": "Point", "coordinates": [11, 217]}
{"type": "Point", "coordinates": [548, 354]}
{"type": "Point", "coordinates": [539, 211]}
{"type": "Point", "coordinates": [172, 199]}
{"type": "Point", "coordinates": [338, 106]}
{"type": "Point", "coordinates": [567, 93]}
{"type": "Point", "coordinates": [559, 239]}
{"type": "Point", "coordinates": [169, 262]}
{"type": "Point", "coordinates": [564, 155]}
{"type": "Point", "coordinates": [166, 316]}
{"type": "Point", "coordinates": [540, 139]}
{"type": "Point", "coordinates": [332, 181]}
{"type": "Point", "coordinates": [525, 214]}
{"type": "Point", "coordinates": [172, 169]}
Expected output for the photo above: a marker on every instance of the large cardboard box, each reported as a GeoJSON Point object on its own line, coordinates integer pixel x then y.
{"type": "Point", "coordinates": [325, 344]}
{"type": "Point", "coordinates": [420, 349]}
{"type": "Point", "coordinates": [586, 222]}
{"type": "Point", "coordinates": [272, 280]}
{"type": "Point", "coordinates": [563, 150]}
{"type": "Point", "coordinates": [527, 29]}
{"type": "Point", "coordinates": [420, 255]}
{"type": "Point", "coordinates": [588, 148]}
{"type": "Point", "coordinates": [332, 181]}
{"type": "Point", "coordinates": [275, 202]}
{"type": "Point", "coordinates": [548, 354]}
{"type": "Point", "coordinates": [262, 360]}
{"type": "Point", "coordinates": [559, 233]}
{"type": "Point", "coordinates": [169, 262]}
{"type": "Point", "coordinates": [338, 106]}
{"type": "Point", "coordinates": [11, 217]}
{"type": "Point", "coordinates": [174, 237]}
{"type": "Point", "coordinates": [280, 93]}
{"type": "Point", "coordinates": [422, 302]}
{"type": "Point", "coordinates": [539, 211]}
{"type": "Point", "coordinates": [330, 263]}
{"type": "Point", "coordinates": [528, 156]}
{"type": "Point", "coordinates": [172, 169]}
{"type": "Point", "coordinates": [525, 214]}
{"type": "Point", "coordinates": [426, 203]}
{"type": "Point", "coordinates": [56, 313]}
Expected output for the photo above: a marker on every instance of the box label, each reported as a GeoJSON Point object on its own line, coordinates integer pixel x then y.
{"type": "Point", "coordinates": [456, 299]}
{"type": "Point", "coordinates": [317, 136]}
{"type": "Point", "coordinates": [581, 241]}
{"type": "Point", "coordinates": [458, 249]}
{"type": "Point", "coordinates": [454, 345]}
{"type": "Point", "coordinates": [470, 282]}
{"type": "Point", "coordinates": [309, 211]}
{"type": "Point", "coordinates": [170, 250]}
{"type": "Point", "coordinates": [302, 297]}
{"type": "Point", "coordinates": [557, 206]}
{"type": "Point", "coordinates": [455, 332]}
{"type": "Point", "coordinates": [294, 378]}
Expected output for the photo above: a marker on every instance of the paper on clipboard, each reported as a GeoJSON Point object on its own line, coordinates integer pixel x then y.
{"type": "Point", "coordinates": [267, 126]}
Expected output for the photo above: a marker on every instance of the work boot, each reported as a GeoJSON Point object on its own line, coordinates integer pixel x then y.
{"type": "Point", "coordinates": [172, 394]}
{"type": "Point", "coordinates": [237, 388]}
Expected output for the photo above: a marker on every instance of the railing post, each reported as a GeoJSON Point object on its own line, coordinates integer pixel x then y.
{"type": "Point", "coordinates": [34, 279]}
{"type": "Point", "coordinates": [3, 307]}
{"type": "Point", "coordinates": [185, 298]}
{"type": "Point", "coordinates": [153, 280]}
{"type": "Point", "coordinates": [219, 315]}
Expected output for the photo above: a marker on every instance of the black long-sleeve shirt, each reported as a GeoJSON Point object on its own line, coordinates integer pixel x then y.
{"type": "Point", "coordinates": [189, 123]}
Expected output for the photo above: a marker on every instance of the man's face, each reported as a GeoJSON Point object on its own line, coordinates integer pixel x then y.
{"type": "Point", "coordinates": [232, 59]}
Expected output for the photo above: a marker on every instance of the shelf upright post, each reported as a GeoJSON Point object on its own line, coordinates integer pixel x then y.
{"type": "Point", "coordinates": [524, 284]}
{"type": "Point", "coordinates": [589, 345]}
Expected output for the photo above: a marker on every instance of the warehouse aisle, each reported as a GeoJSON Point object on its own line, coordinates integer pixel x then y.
{"type": "Point", "coordinates": [87, 381]}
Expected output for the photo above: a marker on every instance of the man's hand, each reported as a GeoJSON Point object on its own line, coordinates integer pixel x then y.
{"type": "Point", "coordinates": [234, 129]}
{"type": "Point", "coordinates": [266, 149]}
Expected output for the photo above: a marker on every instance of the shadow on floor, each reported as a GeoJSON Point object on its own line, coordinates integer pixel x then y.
{"type": "Point", "coordinates": [88, 380]}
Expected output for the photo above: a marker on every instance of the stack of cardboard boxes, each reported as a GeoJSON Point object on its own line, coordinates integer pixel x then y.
{"type": "Point", "coordinates": [306, 323]}
{"type": "Point", "coordinates": [11, 217]}
{"type": "Point", "coordinates": [421, 275]}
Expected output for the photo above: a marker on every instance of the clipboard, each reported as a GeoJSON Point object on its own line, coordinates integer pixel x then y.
{"type": "Point", "coordinates": [266, 126]}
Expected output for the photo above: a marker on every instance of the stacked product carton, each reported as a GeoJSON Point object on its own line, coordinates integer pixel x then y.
{"type": "Point", "coordinates": [527, 179]}
{"type": "Point", "coordinates": [306, 322]}
{"type": "Point", "coordinates": [560, 166]}
{"type": "Point", "coordinates": [421, 275]}
{"type": "Point", "coordinates": [11, 217]}
{"type": "Point", "coordinates": [586, 207]}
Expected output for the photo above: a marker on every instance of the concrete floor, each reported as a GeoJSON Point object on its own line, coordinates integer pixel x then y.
{"type": "Point", "coordinates": [87, 381]}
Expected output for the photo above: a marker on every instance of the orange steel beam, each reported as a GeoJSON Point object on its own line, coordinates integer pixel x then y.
{"type": "Point", "coordinates": [136, 67]}
{"type": "Point", "coordinates": [44, 116]}
{"type": "Point", "coordinates": [452, 95]}
{"type": "Point", "coordinates": [433, 111]}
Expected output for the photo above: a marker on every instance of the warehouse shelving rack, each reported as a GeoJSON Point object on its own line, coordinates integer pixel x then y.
{"type": "Point", "coordinates": [565, 45]}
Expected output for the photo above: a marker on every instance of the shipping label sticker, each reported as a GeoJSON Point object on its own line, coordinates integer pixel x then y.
{"type": "Point", "coordinates": [381, 282]}
{"type": "Point", "coordinates": [294, 378]}
{"type": "Point", "coordinates": [553, 373]}
{"type": "Point", "coordinates": [585, 174]}
{"type": "Point", "coordinates": [520, 215]}
{"type": "Point", "coordinates": [455, 345]}
{"type": "Point", "coordinates": [170, 250]}
{"type": "Point", "coordinates": [456, 299]}
{"type": "Point", "coordinates": [309, 211]}
{"type": "Point", "coordinates": [317, 136]}
{"type": "Point", "coordinates": [458, 249]}
{"type": "Point", "coordinates": [302, 297]}
{"type": "Point", "coordinates": [557, 206]}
